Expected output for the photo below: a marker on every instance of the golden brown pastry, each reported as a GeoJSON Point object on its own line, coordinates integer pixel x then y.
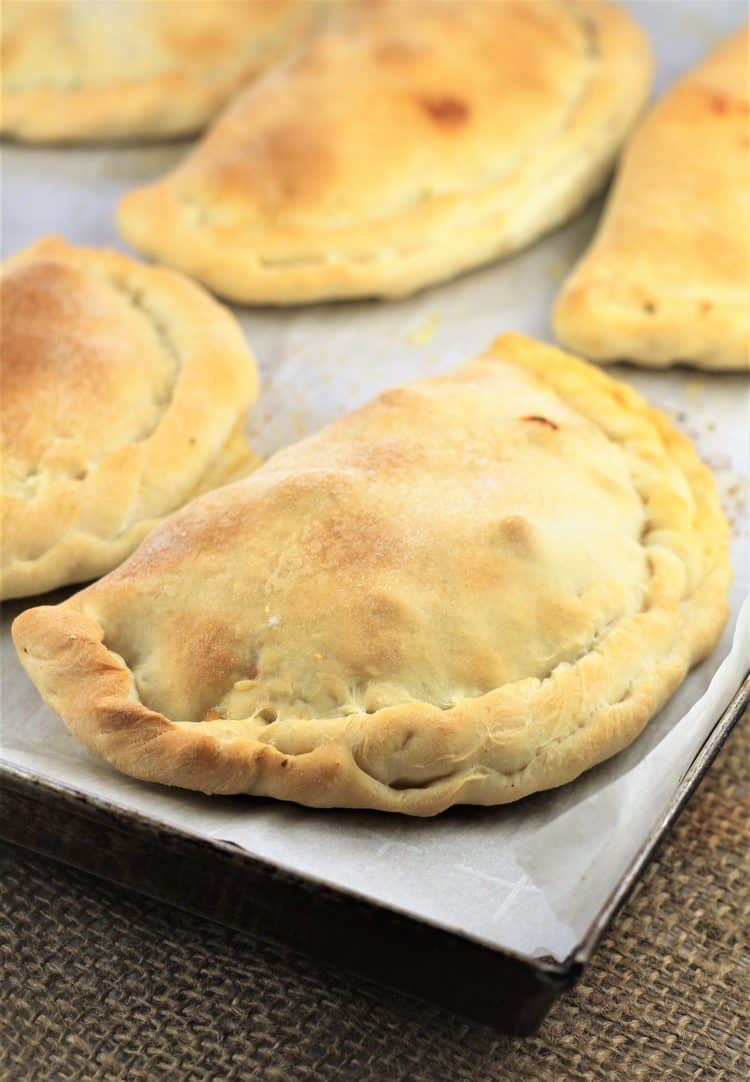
{"type": "Point", "coordinates": [473, 588]}
{"type": "Point", "coordinates": [87, 70]}
{"type": "Point", "coordinates": [407, 143]}
{"type": "Point", "coordinates": [667, 277]}
{"type": "Point", "coordinates": [124, 393]}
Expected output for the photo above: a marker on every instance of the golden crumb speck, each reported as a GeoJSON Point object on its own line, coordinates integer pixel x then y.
{"type": "Point", "coordinates": [425, 332]}
{"type": "Point", "coordinates": [693, 389]}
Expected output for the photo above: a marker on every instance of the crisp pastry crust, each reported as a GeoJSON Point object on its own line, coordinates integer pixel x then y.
{"type": "Point", "coordinates": [406, 143]}
{"type": "Point", "coordinates": [473, 588]}
{"type": "Point", "coordinates": [124, 394]}
{"type": "Point", "coordinates": [667, 277]}
{"type": "Point", "coordinates": [82, 70]}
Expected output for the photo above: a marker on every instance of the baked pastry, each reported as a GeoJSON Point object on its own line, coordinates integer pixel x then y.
{"type": "Point", "coordinates": [406, 143]}
{"type": "Point", "coordinates": [78, 71]}
{"type": "Point", "coordinates": [473, 588]}
{"type": "Point", "coordinates": [667, 277]}
{"type": "Point", "coordinates": [124, 393]}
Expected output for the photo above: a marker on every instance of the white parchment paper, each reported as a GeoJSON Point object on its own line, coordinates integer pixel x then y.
{"type": "Point", "coordinates": [529, 877]}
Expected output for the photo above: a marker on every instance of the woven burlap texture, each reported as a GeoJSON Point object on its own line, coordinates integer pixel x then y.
{"type": "Point", "coordinates": [101, 984]}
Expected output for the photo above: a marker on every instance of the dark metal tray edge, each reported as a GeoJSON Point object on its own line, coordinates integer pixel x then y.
{"type": "Point", "coordinates": [690, 780]}
{"type": "Point", "coordinates": [219, 881]}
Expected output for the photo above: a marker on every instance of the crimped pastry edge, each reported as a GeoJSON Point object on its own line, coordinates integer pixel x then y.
{"type": "Point", "coordinates": [467, 230]}
{"type": "Point", "coordinates": [605, 313]}
{"type": "Point", "coordinates": [169, 105]}
{"type": "Point", "coordinates": [216, 364]}
{"type": "Point", "coordinates": [517, 739]}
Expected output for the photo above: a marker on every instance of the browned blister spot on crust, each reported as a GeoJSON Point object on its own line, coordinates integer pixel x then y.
{"type": "Point", "coordinates": [389, 457]}
{"type": "Point", "coordinates": [446, 112]}
{"type": "Point", "coordinates": [516, 533]}
{"type": "Point", "coordinates": [82, 368]}
{"type": "Point", "coordinates": [11, 47]}
{"type": "Point", "coordinates": [210, 644]}
{"type": "Point", "coordinates": [199, 44]}
{"type": "Point", "coordinates": [724, 104]}
{"type": "Point", "coordinates": [211, 651]}
{"type": "Point", "coordinates": [396, 51]}
{"type": "Point", "coordinates": [561, 610]}
{"type": "Point", "coordinates": [286, 163]}
{"type": "Point", "coordinates": [360, 541]}
{"type": "Point", "coordinates": [384, 624]}
{"type": "Point", "coordinates": [388, 611]}
{"type": "Point", "coordinates": [484, 666]}
{"type": "Point", "coordinates": [399, 397]}
{"type": "Point", "coordinates": [536, 419]}
{"type": "Point", "coordinates": [295, 158]}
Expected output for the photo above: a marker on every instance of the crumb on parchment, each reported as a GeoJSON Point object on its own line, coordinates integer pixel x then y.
{"type": "Point", "coordinates": [425, 332]}
{"type": "Point", "coordinates": [694, 388]}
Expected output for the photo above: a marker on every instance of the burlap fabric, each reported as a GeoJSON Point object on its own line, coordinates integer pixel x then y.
{"type": "Point", "coordinates": [101, 984]}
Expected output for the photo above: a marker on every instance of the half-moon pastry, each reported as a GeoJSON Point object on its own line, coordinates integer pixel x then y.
{"type": "Point", "coordinates": [402, 145]}
{"type": "Point", "coordinates": [475, 587]}
{"type": "Point", "coordinates": [124, 393]}
{"type": "Point", "coordinates": [666, 279]}
{"type": "Point", "coordinates": [83, 70]}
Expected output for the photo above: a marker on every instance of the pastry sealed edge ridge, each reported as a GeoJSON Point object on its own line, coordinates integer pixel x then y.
{"type": "Point", "coordinates": [167, 104]}
{"type": "Point", "coordinates": [213, 362]}
{"type": "Point", "coordinates": [555, 728]}
{"type": "Point", "coordinates": [666, 278]}
{"type": "Point", "coordinates": [394, 255]}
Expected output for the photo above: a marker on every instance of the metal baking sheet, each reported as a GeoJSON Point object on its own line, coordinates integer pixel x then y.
{"type": "Point", "coordinates": [530, 879]}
